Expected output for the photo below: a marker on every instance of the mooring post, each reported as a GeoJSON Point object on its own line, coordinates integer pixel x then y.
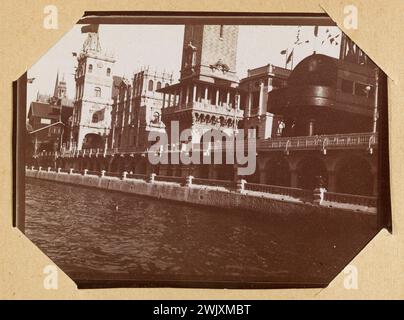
{"type": "Point", "coordinates": [318, 195]}
{"type": "Point", "coordinates": [71, 171]}
{"type": "Point", "coordinates": [240, 185]}
{"type": "Point", "coordinates": [124, 174]}
{"type": "Point", "coordinates": [151, 177]}
{"type": "Point", "coordinates": [49, 169]}
{"type": "Point", "coordinates": [188, 181]}
{"type": "Point", "coordinates": [40, 169]}
{"type": "Point", "coordinates": [59, 169]}
{"type": "Point", "coordinates": [32, 167]}
{"type": "Point", "coordinates": [103, 173]}
{"type": "Point", "coordinates": [85, 172]}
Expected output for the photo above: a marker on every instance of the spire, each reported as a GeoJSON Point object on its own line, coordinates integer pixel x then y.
{"type": "Point", "coordinates": [55, 91]}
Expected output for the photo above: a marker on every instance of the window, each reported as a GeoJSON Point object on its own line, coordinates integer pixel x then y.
{"type": "Point", "coordinates": [95, 118]}
{"type": "Point", "coordinates": [221, 31]}
{"type": "Point", "coordinates": [347, 86]}
{"type": "Point", "coordinates": [158, 85]}
{"type": "Point", "coordinates": [108, 72]}
{"type": "Point", "coordinates": [166, 85]}
{"type": "Point", "coordinates": [90, 68]}
{"type": "Point", "coordinates": [150, 86]}
{"type": "Point", "coordinates": [97, 91]}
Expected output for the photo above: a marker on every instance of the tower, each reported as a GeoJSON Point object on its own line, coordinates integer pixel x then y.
{"type": "Point", "coordinates": [209, 53]}
{"type": "Point", "coordinates": [60, 88]}
{"type": "Point", "coordinates": [207, 95]}
{"type": "Point", "coordinates": [93, 101]}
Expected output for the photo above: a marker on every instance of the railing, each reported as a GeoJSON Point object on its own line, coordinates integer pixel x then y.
{"type": "Point", "coordinates": [138, 176]}
{"type": "Point", "coordinates": [214, 183]}
{"type": "Point", "coordinates": [94, 173]}
{"type": "Point", "coordinates": [169, 179]}
{"type": "Point", "coordinates": [351, 199]}
{"type": "Point", "coordinates": [113, 174]}
{"type": "Point", "coordinates": [320, 142]}
{"type": "Point", "coordinates": [302, 194]}
{"type": "Point", "coordinates": [205, 106]}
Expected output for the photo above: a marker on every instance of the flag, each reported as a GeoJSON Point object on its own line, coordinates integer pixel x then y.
{"type": "Point", "coordinates": [91, 28]}
{"type": "Point", "coordinates": [30, 80]}
{"type": "Point", "coordinates": [290, 57]}
{"type": "Point", "coordinates": [284, 52]}
{"type": "Point", "coordinates": [74, 54]}
{"type": "Point", "coordinates": [316, 31]}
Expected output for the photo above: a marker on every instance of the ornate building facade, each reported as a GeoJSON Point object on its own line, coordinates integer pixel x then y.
{"type": "Point", "coordinates": [314, 125]}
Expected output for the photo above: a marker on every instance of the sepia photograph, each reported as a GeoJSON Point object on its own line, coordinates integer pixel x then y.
{"type": "Point", "coordinates": [221, 151]}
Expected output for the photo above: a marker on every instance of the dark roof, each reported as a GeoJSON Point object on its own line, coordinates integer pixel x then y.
{"type": "Point", "coordinates": [44, 110]}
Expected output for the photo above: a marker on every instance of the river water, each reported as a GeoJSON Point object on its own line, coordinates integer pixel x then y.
{"type": "Point", "coordinates": [95, 235]}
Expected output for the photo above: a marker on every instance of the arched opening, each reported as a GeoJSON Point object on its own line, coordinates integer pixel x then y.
{"type": "Point", "coordinates": [277, 172]}
{"type": "Point", "coordinates": [354, 176]}
{"type": "Point", "coordinates": [97, 92]}
{"type": "Point", "coordinates": [158, 85]}
{"type": "Point", "coordinates": [108, 72]}
{"type": "Point", "coordinates": [92, 141]}
{"type": "Point", "coordinates": [311, 173]}
{"type": "Point", "coordinates": [150, 85]}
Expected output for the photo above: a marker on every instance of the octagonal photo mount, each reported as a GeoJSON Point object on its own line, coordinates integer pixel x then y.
{"type": "Point", "coordinates": [259, 160]}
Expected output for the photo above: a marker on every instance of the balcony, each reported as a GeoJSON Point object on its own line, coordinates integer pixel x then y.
{"type": "Point", "coordinates": [322, 142]}
{"type": "Point", "coordinates": [202, 106]}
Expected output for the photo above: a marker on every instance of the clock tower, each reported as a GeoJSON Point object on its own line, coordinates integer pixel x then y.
{"type": "Point", "coordinates": [93, 101]}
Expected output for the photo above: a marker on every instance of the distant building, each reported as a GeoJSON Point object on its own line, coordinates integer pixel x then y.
{"type": "Point", "coordinates": [48, 119]}
{"type": "Point", "coordinates": [137, 109]}
{"type": "Point", "coordinates": [255, 87]}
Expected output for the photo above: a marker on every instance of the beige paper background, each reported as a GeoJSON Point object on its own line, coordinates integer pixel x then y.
{"type": "Point", "coordinates": [24, 41]}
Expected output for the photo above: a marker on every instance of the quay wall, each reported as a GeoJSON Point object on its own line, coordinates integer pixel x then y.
{"type": "Point", "coordinates": [196, 195]}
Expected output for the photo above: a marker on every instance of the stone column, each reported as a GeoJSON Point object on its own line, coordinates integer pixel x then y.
{"type": "Point", "coordinates": [187, 95]}
{"type": "Point", "coordinates": [228, 98]}
{"type": "Point", "coordinates": [194, 98]}
{"type": "Point", "coordinates": [217, 97]}
{"type": "Point", "coordinates": [169, 100]}
{"type": "Point", "coordinates": [261, 100]}
{"type": "Point", "coordinates": [206, 94]}
{"type": "Point", "coordinates": [180, 97]}
{"type": "Point", "coordinates": [249, 104]}
{"type": "Point", "coordinates": [164, 100]}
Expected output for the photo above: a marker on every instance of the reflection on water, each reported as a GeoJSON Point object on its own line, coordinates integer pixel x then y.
{"type": "Point", "coordinates": [89, 232]}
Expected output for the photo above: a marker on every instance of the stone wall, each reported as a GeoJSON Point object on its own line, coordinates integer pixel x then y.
{"type": "Point", "coordinates": [198, 195]}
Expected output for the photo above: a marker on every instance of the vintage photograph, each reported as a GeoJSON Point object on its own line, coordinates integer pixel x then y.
{"type": "Point", "coordinates": [201, 154]}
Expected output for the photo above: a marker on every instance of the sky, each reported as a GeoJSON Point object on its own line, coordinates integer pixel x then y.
{"type": "Point", "coordinates": [160, 47]}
